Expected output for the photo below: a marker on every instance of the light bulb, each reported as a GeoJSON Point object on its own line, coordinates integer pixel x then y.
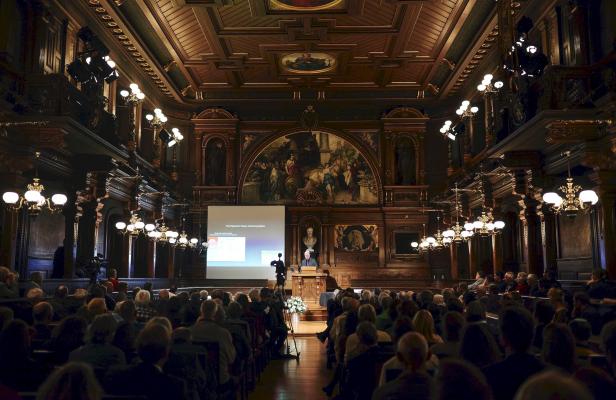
{"type": "Point", "coordinates": [120, 225]}
{"type": "Point", "coordinates": [140, 95]}
{"type": "Point", "coordinates": [451, 136]}
{"type": "Point", "coordinates": [124, 93]}
{"type": "Point", "coordinates": [430, 240]}
{"type": "Point", "coordinates": [499, 224]}
{"type": "Point", "coordinates": [33, 196]}
{"type": "Point", "coordinates": [10, 197]}
{"type": "Point", "coordinates": [498, 84]}
{"type": "Point", "coordinates": [158, 111]}
{"type": "Point", "coordinates": [459, 111]}
{"type": "Point", "coordinates": [466, 234]}
{"type": "Point", "coordinates": [490, 226]}
{"type": "Point", "coordinates": [171, 143]}
{"type": "Point", "coordinates": [531, 49]}
{"type": "Point", "coordinates": [488, 77]}
{"type": "Point", "coordinates": [111, 63]}
{"type": "Point", "coordinates": [152, 234]}
{"type": "Point", "coordinates": [481, 87]}
{"type": "Point", "coordinates": [183, 240]}
{"type": "Point", "coordinates": [172, 240]}
{"type": "Point", "coordinates": [443, 130]}
{"type": "Point", "coordinates": [163, 118]}
{"type": "Point", "coordinates": [139, 225]}
{"type": "Point", "coordinates": [465, 103]}
{"type": "Point", "coordinates": [205, 244]}
{"type": "Point", "coordinates": [474, 109]}
{"type": "Point", "coordinates": [447, 240]}
{"type": "Point", "coordinates": [175, 130]}
{"type": "Point", "coordinates": [130, 227]}
{"type": "Point", "coordinates": [469, 226]}
{"type": "Point", "coordinates": [150, 227]}
{"type": "Point", "coordinates": [448, 123]}
{"type": "Point", "coordinates": [194, 240]}
{"type": "Point", "coordinates": [59, 199]}
{"type": "Point", "coordinates": [449, 233]}
{"type": "Point", "coordinates": [477, 225]}
{"type": "Point", "coordinates": [589, 196]}
{"type": "Point", "coordinates": [134, 87]}
{"type": "Point", "coordinates": [149, 117]}
{"type": "Point", "coordinates": [551, 198]}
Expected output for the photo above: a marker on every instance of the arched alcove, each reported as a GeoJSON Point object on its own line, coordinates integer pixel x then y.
{"type": "Point", "coordinates": [320, 167]}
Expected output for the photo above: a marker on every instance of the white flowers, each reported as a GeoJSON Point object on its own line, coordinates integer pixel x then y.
{"type": "Point", "coordinates": [295, 304]}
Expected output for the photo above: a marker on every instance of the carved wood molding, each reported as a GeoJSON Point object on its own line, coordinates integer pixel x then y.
{"type": "Point", "coordinates": [575, 131]}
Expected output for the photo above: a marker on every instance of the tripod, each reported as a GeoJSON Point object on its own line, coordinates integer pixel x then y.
{"type": "Point", "coordinates": [289, 326]}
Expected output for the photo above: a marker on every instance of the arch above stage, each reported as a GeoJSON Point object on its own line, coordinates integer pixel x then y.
{"type": "Point", "coordinates": [324, 166]}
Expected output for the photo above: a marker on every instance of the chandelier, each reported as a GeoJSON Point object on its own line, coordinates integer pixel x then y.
{"type": "Point", "coordinates": [135, 226]}
{"type": "Point", "coordinates": [458, 233]}
{"type": "Point", "coordinates": [572, 202]}
{"type": "Point", "coordinates": [162, 234]}
{"type": "Point", "coordinates": [33, 199]}
{"type": "Point", "coordinates": [485, 224]}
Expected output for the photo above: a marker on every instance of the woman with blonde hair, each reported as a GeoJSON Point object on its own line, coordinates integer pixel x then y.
{"type": "Point", "coordinates": [424, 323]}
{"type": "Point", "coordinates": [74, 381]}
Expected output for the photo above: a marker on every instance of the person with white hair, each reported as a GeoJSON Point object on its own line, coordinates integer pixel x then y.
{"type": "Point", "coordinates": [143, 307]}
{"type": "Point", "coordinates": [309, 260]}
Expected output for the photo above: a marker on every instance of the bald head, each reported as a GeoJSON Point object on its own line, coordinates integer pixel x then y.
{"type": "Point", "coordinates": [413, 350]}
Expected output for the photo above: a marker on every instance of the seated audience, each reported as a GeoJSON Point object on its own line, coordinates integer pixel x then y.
{"type": "Point", "coordinates": [598, 382]}
{"type": "Point", "coordinates": [423, 323]}
{"type": "Point", "coordinates": [360, 379]}
{"type": "Point", "coordinates": [608, 341]}
{"type": "Point", "coordinates": [480, 280]}
{"type": "Point", "coordinates": [17, 369]}
{"type": "Point", "coordinates": [478, 345]}
{"type": "Point", "coordinates": [184, 363]}
{"type": "Point", "coordinates": [98, 350]}
{"type": "Point", "coordinates": [42, 314]}
{"type": "Point", "coordinates": [72, 381]}
{"type": "Point", "coordinates": [559, 347]}
{"type": "Point", "coordinates": [557, 298]}
{"type": "Point", "coordinates": [580, 328]}
{"type": "Point", "coordinates": [521, 285]}
{"type": "Point", "coordinates": [206, 330]}
{"type": "Point", "coordinates": [67, 336]}
{"type": "Point", "coordinates": [544, 314]}
{"type": "Point", "coordinates": [516, 331]}
{"type": "Point", "coordinates": [453, 323]}
{"type": "Point", "coordinates": [552, 385]}
{"type": "Point", "coordinates": [8, 284]}
{"type": "Point", "coordinates": [384, 320]}
{"type": "Point", "coordinates": [147, 377]}
{"type": "Point", "coordinates": [393, 367]}
{"type": "Point", "coordinates": [599, 287]}
{"type": "Point", "coordinates": [457, 379]}
{"type": "Point", "coordinates": [583, 309]}
{"type": "Point", "coordinates": [144, 309]}
{"type": "Point", "coordinates": [353, 347]}
{"type": "Point", "coordinates": [6, 316]}
{"type": "Point", "coordinates": [414, 382]}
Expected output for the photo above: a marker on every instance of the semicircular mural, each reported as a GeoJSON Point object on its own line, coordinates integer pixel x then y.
{"type": "Point", "coordinates": [306, 5]}
{"type": "Point", "coordinates": [308, 63]}
{"type": "Point", "coordinates": [316, 167]}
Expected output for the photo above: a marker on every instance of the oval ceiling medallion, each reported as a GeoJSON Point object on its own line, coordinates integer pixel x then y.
{"type": "Point", "coordinates": [308, 63]}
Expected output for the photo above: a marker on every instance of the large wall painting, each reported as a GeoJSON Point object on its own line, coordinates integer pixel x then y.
{"type": "Point", "coordinates": [307, 63]}
{"type": "Point", "coordinates": [357, 237]}
{"type": "Point", "coordinates": [318, 166]}
{"type": "Point", "coordinates": [306, 5]}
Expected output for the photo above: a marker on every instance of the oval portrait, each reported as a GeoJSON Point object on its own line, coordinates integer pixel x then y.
{"type": "Point", "coordinates": [306, 5]}
{"type": "Point", "coordinates": [308, 63]}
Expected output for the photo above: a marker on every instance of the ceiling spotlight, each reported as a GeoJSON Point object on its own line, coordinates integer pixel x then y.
{"type": "Point", "coordinates": [531, 49]}
{"type": "Point", "coordinates": [498, 84]}
{"type": "Point", "coordinates": [79, 71]}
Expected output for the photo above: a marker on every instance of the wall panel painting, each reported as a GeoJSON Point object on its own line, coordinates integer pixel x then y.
{"type": "Point", "coordinates": [356, 237]}
{"type": "Point", "coordinates": [318, 167]}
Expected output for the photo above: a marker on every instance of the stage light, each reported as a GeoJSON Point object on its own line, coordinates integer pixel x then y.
{"type": "Point", "coordinates": [164, 135]}
{"type": "Point", "coordinates": [498, 84]}
{"type": "Point", "coordinates": [531, 49]}
{"type": "Point", "coordinates": [79, 71]}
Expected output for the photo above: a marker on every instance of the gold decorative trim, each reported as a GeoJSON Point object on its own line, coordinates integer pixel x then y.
{"type": "Point", "coordinates": [276, 5]}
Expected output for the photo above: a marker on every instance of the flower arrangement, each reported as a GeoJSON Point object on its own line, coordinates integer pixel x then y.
{"type": "Point", "coordinates": [295, 304]}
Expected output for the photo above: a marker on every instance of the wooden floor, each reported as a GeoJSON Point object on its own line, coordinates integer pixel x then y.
{"type": "Point", "coordinates": [292, 380]}
{"type": "Point", "coordinates": [309, 328]}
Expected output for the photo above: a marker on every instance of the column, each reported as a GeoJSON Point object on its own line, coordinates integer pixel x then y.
{"type": "Point", "coordinates": [468, 139]}
{"type": "Point", "coordinates": [548, 235]}
{"type": "Point", "coordinates": [86, 232]}
{"type": "Point", "coordinates": [488, 115]}
{"type": "Point", "coordinates": [497, 252]}
{"type": "Point", "coordinates": [151, 261]}
{"type": "Point", "coordinates": [533, 246]}
{"type": "Point", "coordinates": [472, 257]}
{"type": "Point", "coordinates": [605, 235]}
{"type": "Point", "coordinates": [453, 254]}
{"type": "Point", "coordinates": [70, 226]}
{"type": "Point", "coordinates": [171, 262]}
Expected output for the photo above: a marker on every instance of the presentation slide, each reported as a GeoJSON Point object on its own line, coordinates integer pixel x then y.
{"type": "Point", "coordinates": [243, 241]}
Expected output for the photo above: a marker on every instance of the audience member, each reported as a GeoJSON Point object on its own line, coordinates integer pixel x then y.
{"type": "Point", "coordinates": [423, 323]}
{"type": "Point", "coordinates": [8, 284]}
{"type": "Point", "coordinates": [143, 306]}
{"type": "Point", "coordinates": [17, 370]}
{"type": "Point", "coordinates": [98, 350]}
{"type": "Point", "coordinates": [457, 379]}
{"type": "Point", "coordinates": [6, 316]}
{"type": "Point", "coordinates": [414, 382]}
{"type": "Point", "coordinates": [580, 328]}
{"type": "Point", "coordinates": [516, 332]}
{"type": "Point", "coordinates": [147, 377]}
{"type": "Point", "coordinates": [559, 347]}
{"type": "Point", "coordinates": [42, 313]}
{"type": "Point", "coordinates": [360, 379]}
{"type": "Point", "coordinates": [608, 341]}
{"type": "Point", "coordinates": [597, 381]}
{"type": "Point", "coordinates": [75, 381]}
{"type": "Point", "coordinates": [453, 324]}
{"type": "Point", "coordinates": [478, 345]}
{"type": "Point", "coordinates": [552, 385]}
{"type": "Point", "coordinates": [67, 336]}
{"type": "Point", "coordinates": [557, 298]}
{"type": "Point", "coordinates": [544, 314]}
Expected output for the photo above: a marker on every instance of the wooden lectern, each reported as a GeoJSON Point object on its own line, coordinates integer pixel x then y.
{"type": "Point", "coordinates": [308, 284]}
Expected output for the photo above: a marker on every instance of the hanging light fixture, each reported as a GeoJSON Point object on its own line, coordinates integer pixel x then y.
{"type": "Point", "coordinates": [161, 233]}
{"type": "Point", "coordinates": [448, 131]}
{"type": "Point", "coordinates": [33, 199]}
{"type": "Point", "coordinates": [135, 226]}
{"type": "Point", "coordinates": [487, 86]}
{"type": "Point", "coordinates": [485, 224]}
{"type": "Point", "coordinates": [572, 203]}
{"type": "Point", "coordinates": [458, 233]}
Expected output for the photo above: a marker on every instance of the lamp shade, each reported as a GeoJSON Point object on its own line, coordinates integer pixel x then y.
{"type": "Point", "coordinates": [130, 227]}
{"type": "Point", "coordinates": [59, 199]}
{"type": "Point", "coordinates": [414, 245]}
{"type": "Point", "coordinates": [150, 227]}
{"type": "Point", "coordinates": [469, 226]}
{"type": "Point", "coordinates": [552, 198]}
{"type": "Point", "coordinates": [499, 224]}
{"type": "Point", "coordinates": [449, 233]}
{"type": "Point", "coordinates": [490, 226]}
{"type": "Point", "coordinates": [466, 234]}
{"type": "Point", "coordinates": [430, 240]}
{"type": "Point", "coordinates": [447, 240]}
{"type": "Point", "coordinates": [139, 225]}
{"type": "Point", "coordinates": [120, 225]}
{"type": "Point", "coordinates": [33, 196]}
{"type": "Point", "coordinates": [10, 197]}
{"type": "Point", "coordinates": [481, 87]}
{"type": "Point", "coordinates": [194, 240]}
{"type": "Point", "coordinates": [183, 240]}
{"type": "Point", "coordinates": [172, 240]}
{"type": "Point", "coordinates": [477, 225]}
{"type": "Point", "coordinates": [589, 196]}
{"type": "Point", "coordinates": [498, 84]}
{"type": "Point", "coordinates": [124, 93]}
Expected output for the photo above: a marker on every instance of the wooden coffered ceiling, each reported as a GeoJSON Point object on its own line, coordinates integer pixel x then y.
{"type": "Point", "coordinates": [217, 49]}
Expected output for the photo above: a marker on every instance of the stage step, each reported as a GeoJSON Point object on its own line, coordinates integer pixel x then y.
{"type": "Point", "coordinates": [315, 314]}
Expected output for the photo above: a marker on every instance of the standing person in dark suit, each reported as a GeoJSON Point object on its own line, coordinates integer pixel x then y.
{"type": "Point", "coordinates": [147, 378]}
{"type": "Point", "coordinates": [505, 377]}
